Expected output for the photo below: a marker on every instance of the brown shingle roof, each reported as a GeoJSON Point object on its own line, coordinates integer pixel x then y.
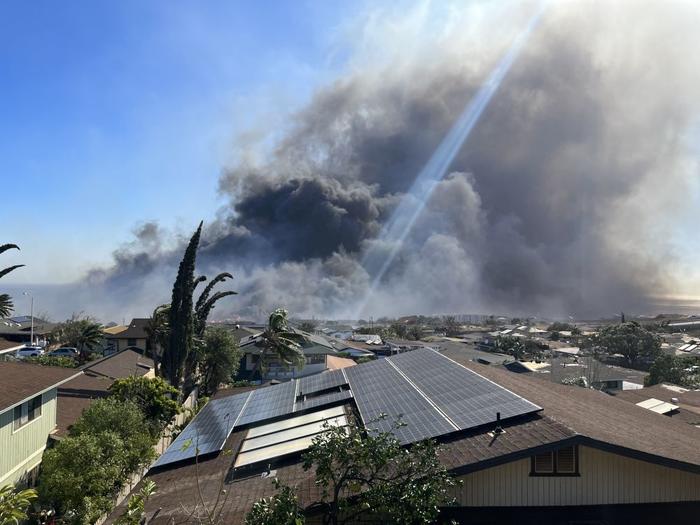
{"type": "Point", "coordinates": [136, 330]}
{"type": "Point", "coordinates": [601, 418]}
{"type": "Point", "coordinates": [122, 364]}
{"type": "Point", "coordinates": [23, 380]}
{"type": "Point", "coordinates": [79, 393]}
{"type": "Point", "coordinates": [8, 345]}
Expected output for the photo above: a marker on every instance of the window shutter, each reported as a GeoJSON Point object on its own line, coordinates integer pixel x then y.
{"type": "Point", "coordinates": [566, 460]}
{"type": "Point", "coordinates": [544, 463]}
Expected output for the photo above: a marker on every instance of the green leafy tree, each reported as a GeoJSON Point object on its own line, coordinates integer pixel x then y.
{"type": "Point", "coordinates": [81, 474]}
{"type": "Point", "coordinates": [400, 329]}
{"type": "Point", "coordinates": [631, 340]}
{"type": "Point", "coordinates": [415, 332]}
{"type": "Point", "coordinates": [281, 342]}
{"type": "Point", "coordinates": [125, 419]}
{"type": "Point", "coordinates": [221, 359]}
{"type": "Point", "coordinates": [280, 509]}
{"type": "Point", "coordinates": [135, 507]}
{"type": "Point", "coordinates": [14, 504]}
{"type": "Point", "coordinates": [450, 326]}
{"type": "Point", "coordinates": [678, 370]}
{"type": "Point", "coordinates": [48, 360]}
{"type": "Point", "coordinates": [82, 333]}
{"type": "Point", "coordinates": [6, 305]}
{"type": "Point", "coordinates": [154, 397]}
{"type": "Point", "coordinates": [308, 326]}
{"type": "Point", "coordinates": [365, 475]}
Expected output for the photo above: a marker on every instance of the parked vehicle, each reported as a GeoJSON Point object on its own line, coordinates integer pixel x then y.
{"type": "Point", "coordinates": [29, 351]}
{"type": "Point", "coordinates": [66, 351]}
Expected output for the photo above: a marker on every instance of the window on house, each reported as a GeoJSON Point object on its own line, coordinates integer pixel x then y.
{"type": "Point", "coordinates": [34, 408]}
{"type": "Point", "coordinates": [27, 412]}
{"type": "Point", "coordinates": [561, 462]}
{"type": "Point", "coordinates": [131, 342]}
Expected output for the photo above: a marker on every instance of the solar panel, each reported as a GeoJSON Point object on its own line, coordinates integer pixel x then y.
{"type": "Point", "coordinates": [322, 381]}
{"type": "Point", "coordinates": [326, 399]}
{"type": "Point", "coordinates": [467, 398]}
{"type": "Point", "coordinates": [379, 389]}
{"type": "Point", "coordinates": [268, 403]}
{"type": "Point", "coordinates": [207, 432]}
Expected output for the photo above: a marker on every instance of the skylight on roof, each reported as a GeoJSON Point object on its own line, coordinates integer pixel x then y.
{"type": "Point", "coordinates": [286, 437]}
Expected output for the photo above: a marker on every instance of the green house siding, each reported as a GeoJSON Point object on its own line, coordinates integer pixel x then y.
{"type": "Point", "coordinates": [21, 450]}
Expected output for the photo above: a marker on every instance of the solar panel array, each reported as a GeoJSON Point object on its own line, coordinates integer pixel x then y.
{"type": "Point", "coordinates": [319, 382]}
{"type": "Point", "coordinates": [467, 398]}
{"type": "Point", "coordinates": [270, 402]}
{"type": "Point", "coordinates": [428, 392]}
{"type": "Point", "coordinates": [207, 432]}
{"type": "Point", "coordinates": [326, 399]}
{"type": "Point", "coordinates": [379, 389]}
{"type": "Point", "coordinates": [432, 394]}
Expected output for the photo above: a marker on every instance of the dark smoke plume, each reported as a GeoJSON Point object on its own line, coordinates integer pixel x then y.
{"type": "Point", "coordinates": [556, 205]}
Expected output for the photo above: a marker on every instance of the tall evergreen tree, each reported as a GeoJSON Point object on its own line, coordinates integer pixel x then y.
{"type": "Point", "coordinates": [181, 318]}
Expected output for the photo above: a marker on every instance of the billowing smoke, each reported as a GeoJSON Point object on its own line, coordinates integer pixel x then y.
{"type": "Point", "coordinates": [558, 203]}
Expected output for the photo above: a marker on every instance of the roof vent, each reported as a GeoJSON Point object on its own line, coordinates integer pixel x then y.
{"type": "Point", "coordinates": [674, 400]}
{"type": "Point", "coordinates": [498, 430]}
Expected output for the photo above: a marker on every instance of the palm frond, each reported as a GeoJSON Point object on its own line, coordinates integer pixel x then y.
{"type": "Point", "coordinates": [207, 291]}
{"type": "Point", "coordinates": [8, 246]}
{"type": "Point", "coordinates": [6, 305]}
{"type": "Point", "coordinates": [9, 269]}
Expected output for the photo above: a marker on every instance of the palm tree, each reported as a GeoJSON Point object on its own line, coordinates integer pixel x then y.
{"type": "Point", "coordinates": [14, 504]}
{"type": "Point", "coordinates": [280, 341]}
{"type": "Point", "coordinates": [6, 305]}
{"type": "Point", "coordinates": [89, 337]}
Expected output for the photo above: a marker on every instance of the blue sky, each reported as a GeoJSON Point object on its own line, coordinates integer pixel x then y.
{"type": "Point", "coordinates": [115, 113]}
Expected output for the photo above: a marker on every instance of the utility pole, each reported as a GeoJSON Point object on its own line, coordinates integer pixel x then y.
{"type": "Point", "coordinates": [31, 314]}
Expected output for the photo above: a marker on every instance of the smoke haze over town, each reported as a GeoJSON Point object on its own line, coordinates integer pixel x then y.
{"type": "Point", "coordinates": [565, 200]}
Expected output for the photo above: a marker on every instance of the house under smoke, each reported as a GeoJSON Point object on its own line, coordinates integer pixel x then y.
{"type": "Point", "coordinates": [527, 451]}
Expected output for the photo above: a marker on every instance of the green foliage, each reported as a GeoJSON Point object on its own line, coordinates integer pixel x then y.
{"type": "Point", "coordinates": [158, 332]}
{"type": "Point", "coordinates": [365, 359]}
{"type": "Point", "coordinates": [156, 398]}
{"type": "Point", "coordinates": [80, 476]}
{"type": "Point", "coordinates": [554, 336]}
{"type": "Point", "coordinates": [560, 327]}
{"type": "Point", "coordinates": [450, 326]}
{"type": "Point", "coordinates": [47, 360]}
{"type": "Point", "coordinates": [575, 381]}
{"type": "Point", "coordinates": [280, 509]}
{"type": "Point", "coordinates": [518, 347]}
{"type": "Point", "coordinates": [83, 333]}
{"type": "Point", "coordinates": [6, 305]}
{"type": "Point", "coordinates": [135, 507]}
{"type": "Point", "coordinates": [279, 340]}
{"type": "Point", "coordinates": [181, 316]}
{"type": "Point", "coordinates": [308, 326]}
{"type": "Point", "coordinates": [14, 504]}
{"type": "Point", "coordinates": [415, 332]}
{"type": "Point", "coordinates": [127, 421]}
{"type": "Point", "coordinates": [373, 475]}
{"type": "Point", "coordinates": [631, 340]}
{"type": "Point", "coordinates": [678, 370]}
{"type": "Point", "coordinates": [83, 472]}
{"type": "Point", "coordinates": [221, 359]}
